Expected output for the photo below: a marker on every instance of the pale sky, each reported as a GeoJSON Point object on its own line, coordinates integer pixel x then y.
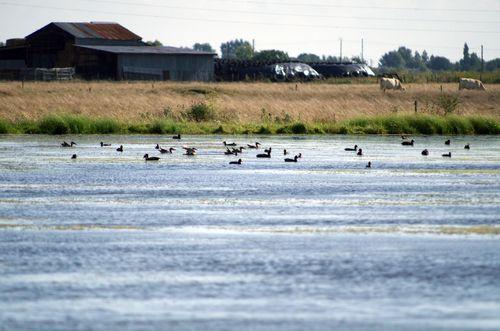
{"type": "Point", "coordinates": [439, 26]}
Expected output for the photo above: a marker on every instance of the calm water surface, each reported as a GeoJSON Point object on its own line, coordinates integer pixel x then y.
{"type": "Point", "coordinates": [110, 242]}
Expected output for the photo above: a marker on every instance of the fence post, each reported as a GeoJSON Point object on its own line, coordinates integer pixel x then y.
{"type": "Point", "coordinates": [416, 106]}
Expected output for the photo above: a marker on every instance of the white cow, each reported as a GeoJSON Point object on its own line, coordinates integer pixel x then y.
{"type": "Point", "coordinates": [391, 84]}
{"type": "Point", "coordinates": [470, 84]}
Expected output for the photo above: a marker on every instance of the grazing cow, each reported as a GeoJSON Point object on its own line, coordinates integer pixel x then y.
{"type": "Point", "coordinates": [470, 84]}
{"type": "Point", "coordinates": [391, 84]}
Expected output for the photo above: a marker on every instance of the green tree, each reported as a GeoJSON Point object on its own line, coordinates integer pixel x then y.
{"type": "Point", "coordinates": [393, 60]}
{"type": "Point", "coordinates": [244, 52]}
{"type": "Point", "coordinates": [439, 63]}
{"type": "Point", "coordinates": [492, 65]}
{"type": "Point", "coordinates": [308, 57]}
{"type": "Point", "coordinates": [228, 49]}
{"type": "Point", "coordinates": [425, 57]}
{"type": "Point", "coordinates": [271, 55]}
{"type": "Point", "coordinates": [156, 43]}
{"type": "Point", "coordinates": [205, 47]}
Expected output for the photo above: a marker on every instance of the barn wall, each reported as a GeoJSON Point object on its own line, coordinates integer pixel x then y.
{"type": "Point", "coordinates": [178, 67]}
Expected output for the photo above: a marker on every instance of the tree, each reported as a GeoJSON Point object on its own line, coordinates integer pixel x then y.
{"type": "Point", "coordinates": [2, 44]}
{"type": "Point", "coordinates": [492, 65]}
{"type": "Point", "coordinates": [425, 57]}
{"type": "Point", "coordinates": [205, 47]}
{"type": "Point", "coordinates": [308, 57]}
{"type": "Point", "coordinates": [271, 55]}
{"type": "Point", "coordinates": [439, 63]}
{"type": "Point", "coordinates": [228, 49]}
{"type": "Point", "coordinates": [156, 43]}
{"type": "Point", "coordinates": [392, 59]}
{"type": "Point", "coordinates": [244, 52]}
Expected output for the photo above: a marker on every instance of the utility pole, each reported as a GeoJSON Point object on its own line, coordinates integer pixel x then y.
{"type": "Point", "coordinates": [340, 50]}
{"type": "Point", "coordinates": [362, 50]}
{"type": "Point", "coordinates": [482, 63]}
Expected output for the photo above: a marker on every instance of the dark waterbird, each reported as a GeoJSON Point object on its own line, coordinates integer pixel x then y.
{"type": "Point", "coordinates": [369, 165]}
{"type": "Point", "coordinates": [292, 160]}
{"type": "Point", "coordinates": [408, 143]}
{"type": "Point", "coordinates": [190, 151]}
{"type": "Point", "coordinates": [256, 146]}
{"type": "Point", "coordinates": [467, 146]}
{"type": "Point", "coordinates": [360, 152]}
{"type": "Point", "coordinates": [167, 151]}
{"type": "Point", "coordinates": [228, 144]}
{"type": "Point", "coordinates": [178, 136]}
{"type": "Point", "coordinates": [157, 146]}
{"type": "Point", "coordinates": [354, 149]}
{"type": "Point", "coordinates": [285, 152]}
{"type": "Point", "coordinates": [105, 145]}
{"type": "Point", "coordinates": [230, 152]}
{"type": "Point", "coordinates": [73, 156]}
{"type": "Point", "coordinates": [235, 162]}
{"type": "Point", "coordinates": [447, 155]}
{"type": "Point", "coordinates": [425, 152]}
{"type": "Point", "coordinates": [120, 149]}
{"type": "Point", "coordinates": [65, 144]}
{"type": "Point", "coordinates": [447, 142]}
{"type": "Point", "coordinates": [266, 155]}
{"type": "Point", "coordinates": [150, 158]}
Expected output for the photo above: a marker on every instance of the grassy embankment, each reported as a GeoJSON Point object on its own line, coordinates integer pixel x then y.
{"type": "Point", "coordinates": [242, 108]}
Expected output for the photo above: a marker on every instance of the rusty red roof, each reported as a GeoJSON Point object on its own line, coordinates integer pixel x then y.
{"type": "Point", "coordinates": [95, 30]}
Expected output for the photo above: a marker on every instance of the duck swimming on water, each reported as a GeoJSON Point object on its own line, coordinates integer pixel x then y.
{"type": "Point", "coordinates": [408, 143]}
{"type": "Point", "coordinates": [360, 152]}
{"type": "Point", "coordinates": [425, 152]}
{"type": "Point", "coordinates": [150, 158]}
{"type": "Point", "coordinates": [285, 152]}
{"type": "Point", "coordinates": [256, 146]}
{"type": "Point", "coordinates": [120, 149]}
{"type": "Point", "coordinates": [369, 165]}
{"type": "Point", "coordinates": [351, 149]}
{"type": "Point", "coordinates": [105, 145]}
{"type": "Point", "coordinates": [467, 146]}
{"type": "Point", "coordinates": [228, 144]}
{"type": "Point", "coordinates": [190, 151]}
{"type": "Point", "coordinates": [167, 151]}
{"type": "Point", "coordinates": [73, 157]}
{"type": "Point", "coordinates": [292, 160]}
{"type": "Point", "coordinates": [235, 162]}
{"type": "Point", "coordinates": [178, 136]}
{"type": "Point", "coordinates": [266, 155]}
{"type": "Point", "coordinates": [447, 155]}
{"type": "Point", "coordinates": [65, 144]}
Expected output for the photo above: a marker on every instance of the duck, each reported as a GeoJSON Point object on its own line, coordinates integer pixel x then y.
{"type": "Point", "coordinates": [256, 146]}
{"type": "Point", "coordinates": [447, 142]}
{"type": "Point", "coordinates": [238, 150]}
{"type": "Point", "coordinates": [360, 152]}
{"type": "Point", "coordinates": [230, 152]}
{"type": "Point", "coordinates": [351, 149]}
{"type": "Point", "coordinates": [292, 160]}
{"type": "Point", "coordinates": [157, 146]}
{"type": "Point", "coordinates": [104, 145]}
{"type": "Point", "coordinates": [120, 149]}
{"type": "Point", "coordinates": [408, 143]}
{"type": "Point", "coordinates": [235, 162]}
{"type": "Point", "coordinates": [299, 156]}
{"type": "Point", "coordinates": [73, 157]}
{"type": "Point", "coordinates": [369, 165]}
{"type": "Point", "coordinates": [266, 155]}
{"type": "Point", "coordinates": [165, 151]}
{"type": "Point", "coordinates": [178, 136]}
{"type": "Point", "coordinates": [447, 155]}
{"type": "Point", "coordinates": [190, 151]}
{"type": "Point", "coordinates": [425, 152]}
{"type": "Point", "coordinates": [65, 144]}
{"type": "Point", "coordinates": [150, 158]}
{"type": "Point", "coordinates": [228, 144]}
{"type": "Point", "coordinates": [268, 150]}
{"type": "Point", "coordinates": [285, 152]}
{"type": "Point", "coordinates": [467, 146]}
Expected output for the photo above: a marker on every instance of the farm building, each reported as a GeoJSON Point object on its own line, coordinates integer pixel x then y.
{"type": "Point", "coordinates": [102, 51]}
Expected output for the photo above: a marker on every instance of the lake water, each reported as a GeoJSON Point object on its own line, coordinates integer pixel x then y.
{"type": "Point", "coordinates": [111, 242]}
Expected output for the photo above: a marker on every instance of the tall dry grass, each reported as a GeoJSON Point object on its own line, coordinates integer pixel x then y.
{"type": "Point", "coordinates": [234, 102]}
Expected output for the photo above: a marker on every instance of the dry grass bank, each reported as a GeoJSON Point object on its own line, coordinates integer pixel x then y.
{"type": "Point", "coordinates": [235, 102]}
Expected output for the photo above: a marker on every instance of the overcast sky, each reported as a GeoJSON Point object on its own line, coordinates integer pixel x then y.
{"type": "Point", "coordinates": [439, 26]}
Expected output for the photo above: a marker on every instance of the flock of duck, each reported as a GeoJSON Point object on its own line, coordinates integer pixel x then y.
{"type": "Point", "coordinates": [234, 149]}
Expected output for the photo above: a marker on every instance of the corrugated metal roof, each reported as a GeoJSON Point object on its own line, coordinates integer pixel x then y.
{"type": "Point", "coordinates": [95, 30]}
{"type": "Point", "coordinates": [146, 50]}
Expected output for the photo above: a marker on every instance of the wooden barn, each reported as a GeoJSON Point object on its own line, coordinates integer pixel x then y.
{"type": "Point", "coordinates": [103, 51]}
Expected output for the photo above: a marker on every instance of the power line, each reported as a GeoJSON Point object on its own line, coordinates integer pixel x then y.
{"type": "Point", "coordinates": [297, 4]}
{"type": "Point", "coordinates": [321, 26]}
{"type": "Point", "coordinates": [281, 14]}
